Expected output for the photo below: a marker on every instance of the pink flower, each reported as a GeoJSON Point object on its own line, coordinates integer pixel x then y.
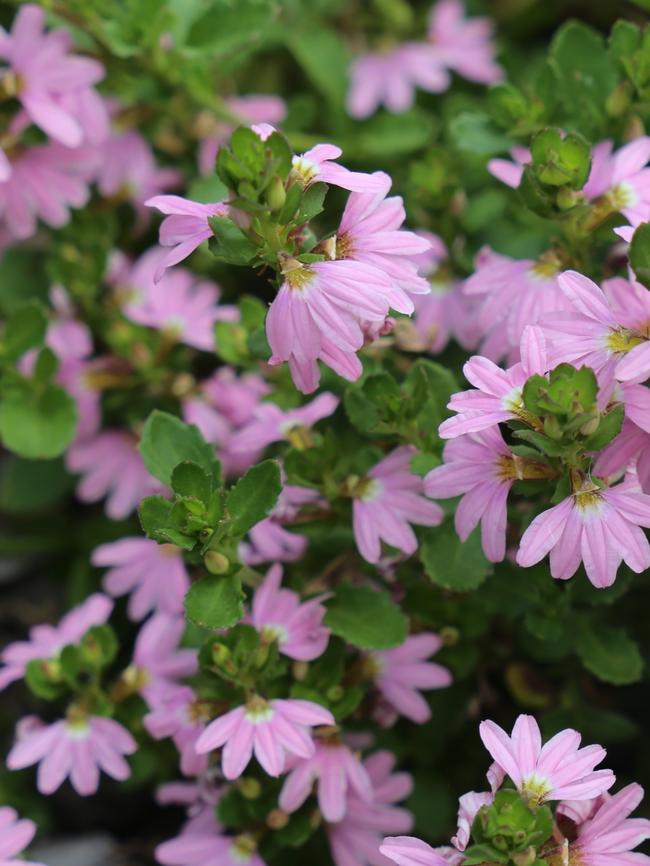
{"type": "Point", "coordinates": [497, 393]}
{"type": "Point", "coordinates": [409, 851]}
{"type": "Point", "coordinates": [513, 294]}
{"type": "Point", "coordinates": [556, 771]}
{"type": "Point", "coordinates": [206, 845]}
{"type": "Point", "coordinates": [468, 807]}
{"type": "Point", "coordinates": [598, 526]}
{"type": "Point", "coordinates": [386, 502]}
{"type": "Point", "coordinates": [15, 835]}
{"type": "Point", "coordinates": [74, 748]}
{"type": "Point", "coordinates": [54, 89]}
{"type": "Point", "coordinates": [632, 445]}
{"type": "Point", "coordinates": [481, 468]}
{"type": "Point", "coordinates": [128, 167]}
{"type": "Point", "coordinates": [181, 716]}
{"type": "Point", "coordinates": [153, 574]}
{"type": "Point", "coordinates": [269, 729]}
{"type": "Point", "coordinates": [177, 304]}
{"type": "Point", "coordinates": [371, 232]}
{"type": "Point", "coordinates": [622, 177]}
{"type": "Point", "coordinates": [270, 423]}
{"type": "Point", "coordinates": [317, 165]}
{"type": "Point", "coordinates": [390, 78]}
{"type": "Point", "coordinates": [46, 641]}
{"type": "Point", "coordinates": [224, 404]}
{"type": "Point", "coordinates": [68, 338]}
{"type": "Point", "coordinates": [279, 615]}
{"type": "Point", "coordinates": [45, 182]}
{"type": "Point", "coordinates": [317, 315]}
{"type": "Point", "coordinates": [337, 771]}
{"type": "Point", "coordinates": [464, 45]}
{"type": "Point", "coordinates": [608, 835]}
{"type": "Point", "coordinates": [184, 228]}
{"type": "Point", "coordinates": [607, 329]}
{"type": "Point", "coordinates": [254, 108]}
{"type": "Point", "coordinates": [401, 672]}
{"type": "Point", "coordinates": [356, 839]}
{"type": "Point", "coordinates": [508, 172]}
{"type": "Point", "coordinates": [269, 541]}
{"type": "Point", "coordinates": [157, 663]}
{"type": "Point", "coordinates": [111, 466]}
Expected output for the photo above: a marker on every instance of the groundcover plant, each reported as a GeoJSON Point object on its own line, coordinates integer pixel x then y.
{"type": "Point", "coordinates": [325, 471]}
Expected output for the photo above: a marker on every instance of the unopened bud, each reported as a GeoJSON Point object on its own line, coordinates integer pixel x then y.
{"type": "Point", "coordinates": [277, 819]}
{"type": "Point", "coordinates": [300, 670]}
{"type": "Point", "coordinates": [335, 693]}
{"type": "Point", "coordinates": [220, 653]}
{"type": "Point", "coordinates": [567, 198]}
{"type": "Point", "coordinates": [215, 562]}
{"type": "Point", "coordinates": [449, 635]}
{"type": "Point", "coordinates": [276, 195]}
{"type": "Point", "coordinates": [525, 858]}
{"type": "Point", "coordinates": [591, 425]}
{"type": "Point", "coordinates": [249, 788]}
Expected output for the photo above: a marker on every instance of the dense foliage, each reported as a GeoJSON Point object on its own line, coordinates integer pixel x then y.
{"type": "Point", "coordinates": [326, 432]}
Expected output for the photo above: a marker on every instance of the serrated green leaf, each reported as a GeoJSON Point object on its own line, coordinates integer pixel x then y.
{"type": "Point", "coordinates": [215, 601]}
{"type": "Point", "coordinates": [366, 618]}
{"type": "Point", "coordinates": [452, 563]}
{"type": "Point", "coordinates": [167, 441]}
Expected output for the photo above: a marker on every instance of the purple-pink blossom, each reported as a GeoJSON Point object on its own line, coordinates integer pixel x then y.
{"type": "Point", "coordinates": [400, 674]}
{"type": "Point", "coordinates": [607, 329]}
{"type": "Point", "coordinates": [203, 844]}
{"type": "Point", "coordinates": [269, 729]}
{"type": "Point", "coordinates": [464, 45]}
{"type": "Point", "coordinates": [269, 540]}
{"type": "Point", "coordinates": [598, 526]}
{"type": "Point", "coordinates": [76, 748]}
{"type": "Point", "coordinates": [184, 228]}
{"type": "Point", "coordinates": [319, 165]}
{"type": "Point", "coordinates": [356, 839]}
{"type": "Point", "coordinates": [158, 664]}
{"type": "Point", "coordinates": [386, 501]}
{"type": "Point", "coordinates": [468, 807]}
{"type": "Point", "coordinates": [180, 715]}
{"type": "Point", "coordinates": [497, 393]}
{"type": "Point", "coordinates": [280, 615]}
{"type": "Point", "coordinates": [46, 641]}
{"type": "Point", "coordinates": [15, 835]}
{"type": "Point", "coordinates": [557, 770]}
{"type": "Point", "coordinates": [153, 575]}
{"type": "Point", "coordinates": [270, 423]}
{"type": "Point", "coordinates": [317, 315]}
{"type": "Point", "coordinates": [623, 177]}
{"type": "Point", "coordinates": [606, 835]}
{"type": "Point", "coordinates": [371, 231]}
{"type": "Point", "coordinates": [54, 88]}
{"type": "Point", "coordinates": [481, 469]}
{"type": "Point", "coordinates": [409, 851]}
{"type": "Point", "coordinates": [510, 295]}
{"type": "Point", "coordinates": [509, 172]}
{"type": "Point", "coordinates": [390, 78]}
{"type": "Point", "coordinates": [179, 305]}
{"type": "Point", "coordinates": [337, 772]}
{"type": "Point", "coordinates": [111, 466]}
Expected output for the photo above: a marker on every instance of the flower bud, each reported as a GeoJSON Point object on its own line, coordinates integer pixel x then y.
{"type": "Point", "coordinates": [525, 858]}
{"type": "Point", "coordinates": [277, 819]}
{"type": "Point", "coordinates": [215, 562]}
{"type": "Point", "coordinates": [276, 194]}
{"type": "Point", "coordinates": [249, 788]}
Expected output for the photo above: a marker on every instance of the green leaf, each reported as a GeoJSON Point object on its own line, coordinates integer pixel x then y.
{"type": "Point", "coordinates": [30, 485]}
{"type": "Point", "coordinates": [24, 329]}
{"type": "Point", "coordinates": [388, 135]}
{"type": "Point", "coordinates": [374, 406]}
{"type": "Point", "coordinates": [155, 513]}
{"type": "Point", "coordinates": [609, 426]}
{"type": "Point", "coordinates": [37, 422]}
{"type": "Point", "coordinates": [229, 243]}
{"type": "Point", "coordinates": [321, 54]}
{"type": "Point", "coordinates": [452, 563]}
{"type": "Point", "coordinates": [253, 497]}
{"type": "Point", "coordinates": [207, 190]}
{"type": "Point", "coordinates": [215, 601]}
{"type": "Point", "coordinates": [41, 683]}
{"type": "Point", "coordinates": [585, 74]}
{"type": "Point", "coordinates": [474, 132]}
{"type": "Point", "coordinates": [609, 653]}
{"type": "Point", "coordinates": [312, 202]}
{"type": "Point", "coordinates": [365, 618]}
{"type": "Point", "coordinates": [189, 479]}
{"type": "Point", "coordinates": [640, 254]}
{"type": "Point", "coordinates": [167, 441]}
